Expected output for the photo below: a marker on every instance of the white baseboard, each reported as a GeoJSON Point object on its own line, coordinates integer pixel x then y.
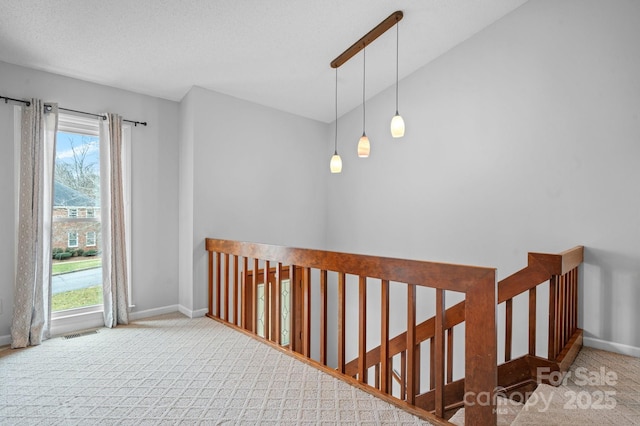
{"type": "Point", "coordinates": [5, 340]}
{"type": "Point", "coordinates": [133, 316]}
{"type": "Point", "coordinates": [86, 321]}
{"type": "Point", "coordinates": [192, 314]}
{"type": "Point", "coordinates": [619, 348]}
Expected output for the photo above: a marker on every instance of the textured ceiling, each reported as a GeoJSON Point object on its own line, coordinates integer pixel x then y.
{"type": "Point", "coordinates": [275, 52]}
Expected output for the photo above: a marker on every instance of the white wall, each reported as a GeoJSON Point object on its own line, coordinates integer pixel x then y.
{"type": "Point", "coordinates": [526, 137]}
{"type": "Point", "coordinates": [258, 175]}
{"type": "Point", "coordinates": [154, 180]}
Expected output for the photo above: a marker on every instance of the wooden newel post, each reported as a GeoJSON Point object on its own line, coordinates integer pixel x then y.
{"type": "Point", "coordinates": [481, 374]}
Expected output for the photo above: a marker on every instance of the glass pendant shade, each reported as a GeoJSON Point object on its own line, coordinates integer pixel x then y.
{"type": "Point", "coordinates": [397, 126]}
{"type": "Point", "coordinates": [364, 147]}
{"type": "Point", "coordinates": [336, 164]}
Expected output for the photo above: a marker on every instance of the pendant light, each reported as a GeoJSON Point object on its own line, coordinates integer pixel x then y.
{"type": "Point", "coordinates": [397, 123]}
{"type": "Point", "coordinates": [363, 144]}
{"type": "Point", "coordinates": [336, 162]}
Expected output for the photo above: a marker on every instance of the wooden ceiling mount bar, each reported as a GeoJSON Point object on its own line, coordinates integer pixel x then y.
{"type": "Point", "coordinates": [367, 39]}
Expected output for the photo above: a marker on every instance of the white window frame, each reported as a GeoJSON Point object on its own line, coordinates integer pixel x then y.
{"type": "Point", "coordinates": [72, 212]}
{"type": "Point", "coordinates": [81, 318]}
{"type": "Point", "coordinates": [91, 212]}
{"type": "Point", "coordinates": [69, 237]}
{"type": "Point", "coordinates": [90, 239]}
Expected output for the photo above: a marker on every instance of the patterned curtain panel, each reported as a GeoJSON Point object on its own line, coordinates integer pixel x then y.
{"type": "Point", "coordinates": [32, 302]}
{"type": "Point", "coordinates": [114, 259]}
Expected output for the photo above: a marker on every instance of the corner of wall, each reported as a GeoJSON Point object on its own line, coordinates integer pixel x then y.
{"type": "Point", "coordinates": [185, 202]}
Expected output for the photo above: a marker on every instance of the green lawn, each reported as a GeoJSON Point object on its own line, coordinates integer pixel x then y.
{"type": "Point", "coordinates": [77, 298]}
{"type": "Point", "coordinates": [74, 265]}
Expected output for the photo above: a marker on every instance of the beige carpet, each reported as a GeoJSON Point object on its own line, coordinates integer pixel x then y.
{"type": "Point", "coordinates": [173, 370]}
{"type": "Point", "coordinates": [602, 388]}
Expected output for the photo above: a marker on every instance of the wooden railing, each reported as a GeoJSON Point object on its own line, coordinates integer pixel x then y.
{"type": "Point", "coordinates": [238, 269]}
{"type": "Point", "coordinates": [564, 337]}
{"type": "Point", "coordinates": [561, 271]}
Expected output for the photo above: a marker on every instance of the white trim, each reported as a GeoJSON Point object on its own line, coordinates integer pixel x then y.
{"type": "Point", "coordinates": [86, 239]}
{"type": "Point", "coordinates": [133, 316]}
{"type": "Point", "coordinates": [71, 323]}
{"type": "Point", "coordinates": [5, 340]}
{"type": "Point", "coordinates": [192, 314]}
{"type": "Point", "coordinates": [69, 239]}
{"type": "Point", "coordinates": [605, 345]}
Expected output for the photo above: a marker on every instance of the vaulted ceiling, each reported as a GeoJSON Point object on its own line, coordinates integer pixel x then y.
{"type": "Point", "coordinates": [275, 53]}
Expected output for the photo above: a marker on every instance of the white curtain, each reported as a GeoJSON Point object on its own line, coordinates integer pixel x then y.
{"type": "Point", "coordinates": [114, 258]}
{"type": "Point", "coordinates": [32, 302]}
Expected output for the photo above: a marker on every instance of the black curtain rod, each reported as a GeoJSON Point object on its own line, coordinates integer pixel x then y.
{"type": "Point", "coordinates": [48, 108]}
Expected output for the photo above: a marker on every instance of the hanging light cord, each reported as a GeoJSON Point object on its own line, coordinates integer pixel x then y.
{"type": "Point", "coordinates": [336, 141]}
{"type": "Point", "coordinates": [397, 57]}
{"type": "Point", "coordinates": [364, 79]}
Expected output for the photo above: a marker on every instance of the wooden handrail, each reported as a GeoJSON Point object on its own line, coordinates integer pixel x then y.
{"type": "Point", "coordinates": [444, 276]}
{"type": "Point", "coordinates": [477, 283]}
{"type": "Point", "coordinates": [541, 268]}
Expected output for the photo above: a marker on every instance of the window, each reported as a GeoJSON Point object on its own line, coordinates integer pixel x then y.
{"type": "Point", "coordinates": [77, 178]}
{"type": "Point", "coordinates": [76, 187]}
{"type": "Point", "coordinates": [72, 239]}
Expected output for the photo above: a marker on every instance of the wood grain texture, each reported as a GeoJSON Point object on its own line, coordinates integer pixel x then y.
{"type": "Point", "coordinates": [385, 384]}
{"type": "Point", "coordinates": [367, 39]}
{"type": "Point", "coordinates": [362, 329]}
{"type": "Point", "coordinates": [439, 353]}
{"type": "Point", "coordinates": [430, 274]}
{"type": "Point", "coordinates": [478, 311]}
{"type": "Point", "coordinates": [323, 317]}
{"type": "Point", "coordinates": [411, 344]}
{"type": "Point", "coordinates": [341, 323]}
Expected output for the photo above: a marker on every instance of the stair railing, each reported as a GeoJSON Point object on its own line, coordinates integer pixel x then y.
{"type": "Point", "coordinates": [564, 336]}
{"type": "Point", "coordinates": [237, 269]}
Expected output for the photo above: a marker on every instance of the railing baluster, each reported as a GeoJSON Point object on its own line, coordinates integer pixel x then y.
{"type": "Point", "coordinates": [341, 322]}
{"type": "Point", "coordinates": [532, 321]}
{"type": "Point", "coordinates": [323, 317]}
{"type": "Point", "coordinates": [561, 314]}
{"type": "Point", "coordinates": [565, 321]}
{"type": "Point", "coordinates": [384, 337]}
{"type": "Point", "coordinates": [575, 299]}
{"type": "Point", "coordinates": [306, 294]}
{"type": "Point", "coordinates": [218, 293]}
{"type": "Point", "coordinates": [244, 312]}
{"type": "Point", "coordinates": [411, 343]}
{"type": "Point", "coordinates": [294, 308]}
{"type": "Point", "coordinates": [226, 287]}
{"type": "Point", "coordinates": [235, 289]}
{"type": "Point", "coordinates": [439, 344]}
{"type": "Point", "coordinates": [450, 355]}
{"type": "Point", "coordinates": [362, 330]}
{"type": "Point", "coordinates": [570, 303]}
{"type": "Point", "coordinates": [403, 375]}
{"type": "Point", "coordinates": [508, 313]}
{"type": "Point", "coordinates": [267, 301]}
{"type": "Point", "coordinates": [553, 282]}
{"type": "Point", "coordinates": [254, 298]}
{"type": "Point", "coordinates": [432, 364]}
{"type": "Point", "coordinates": [210, 284]}
{"type": "Point", "coordinates": [278, 304]}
